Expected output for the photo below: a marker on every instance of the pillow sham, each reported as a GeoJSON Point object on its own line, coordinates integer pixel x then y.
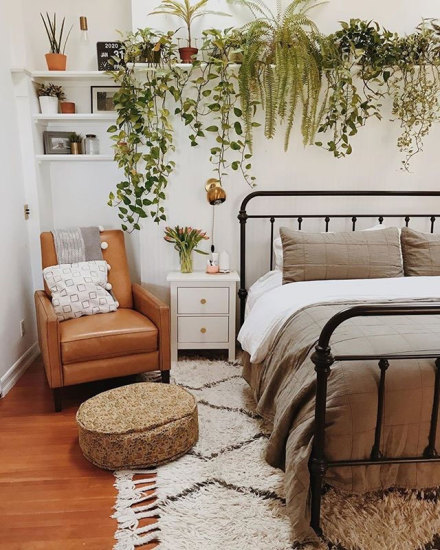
{"type": "Point", "coordinates": [348, 255]}
{"type": "Point", "coordinates": [421, 253]}
{"type": "Point", "coordinates": [79, 289]}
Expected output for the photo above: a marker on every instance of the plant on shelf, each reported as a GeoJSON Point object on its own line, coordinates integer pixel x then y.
{"type": "Point", "coordinates": [56, 59]}
{"type": "Point", "coordinates": [49, 95]}
{"type": "Point", "coordinates": [188, 13]}
{"type": "Point", "coordinates": [75, 143]}
{"type": "Point", "coordinates": [281, 67]}
{"type": "Point", "coordinates": [415, 87]}
{"type": "Point", "coordinates": [185, 240]}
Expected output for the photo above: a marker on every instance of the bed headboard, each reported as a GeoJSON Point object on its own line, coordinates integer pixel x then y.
{"type": "Point", "coordinates": [243, 217]}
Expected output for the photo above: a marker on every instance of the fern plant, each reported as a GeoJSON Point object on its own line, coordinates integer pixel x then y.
{"type": "Point", "coordinates": [281, 67]}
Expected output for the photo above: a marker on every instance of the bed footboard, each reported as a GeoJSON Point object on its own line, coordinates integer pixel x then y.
{"type": "Point", "coordinates": [323, 360]}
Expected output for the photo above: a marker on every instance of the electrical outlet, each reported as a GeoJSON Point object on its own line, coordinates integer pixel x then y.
{"type": "Point", "coordinates": [22, 328]}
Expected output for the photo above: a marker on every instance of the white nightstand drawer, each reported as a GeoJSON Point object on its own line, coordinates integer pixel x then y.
{"type": "Point", "coordinates": [202, 329]}
{"type": "Point", "coordinates": [202, 300]}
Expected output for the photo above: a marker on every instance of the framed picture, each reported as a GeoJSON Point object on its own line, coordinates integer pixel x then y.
{"type": "Point", "coordinates": [56, 143]}
{"type": "Point", "coordinates": [107, 51]}
{"type": "Point", "coordinates": [102, 98]}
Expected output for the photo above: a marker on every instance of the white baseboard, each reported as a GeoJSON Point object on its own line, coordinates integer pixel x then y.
{"type": "Point", "coordinates": [11, 376]}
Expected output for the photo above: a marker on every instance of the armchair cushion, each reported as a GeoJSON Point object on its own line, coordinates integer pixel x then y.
{"type": "Point", "coordinates": [123, 332]}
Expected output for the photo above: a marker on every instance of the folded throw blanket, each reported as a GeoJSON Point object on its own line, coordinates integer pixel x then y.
{"type": "Point", "coordinates": [77, 244]}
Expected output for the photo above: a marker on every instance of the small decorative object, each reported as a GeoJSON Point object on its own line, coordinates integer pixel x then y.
{"type": "Point", "coordinates": [56, 143]}
{"type": "Point", "coordinates": [215, 195]}
{"type": "Point", "coordinates": [56, 60]}
{"type": "Point", "coordinates": [223, 264]}
{"type": "Point", "coordinates": [212, 265]}
{"type": "Point", "coordinates": [107, 52]}
{"type": "Point", "coordinates": [91, 144]}
{"type": "Point", "coordinates": [188, 13]}
{"type": "Point", "coordinates": [185, 239]}
{"type": "Point", "coordinates": [83, 28]}
{"type": "Point", "coordinates": [75, 143]}
{"type": "Point", "coordinates": [67, 107]}
{"type": "Point", "coordinates": [102, 98]}
{"type": "Point", "coordinates": [49, 95]}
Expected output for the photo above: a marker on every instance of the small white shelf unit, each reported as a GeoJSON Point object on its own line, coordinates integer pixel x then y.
{"type": "Point", "coordinates": [77, 117]}
{"type": "Point", "coordinates": [73, 158]}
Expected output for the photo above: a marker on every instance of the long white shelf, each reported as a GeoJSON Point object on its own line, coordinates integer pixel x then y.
{"type": "Point", "coordinates": [57, 75]}
{"type": "Point", "coordinates": [73, 158]}
{"type": "Point", "coordinates": [78, 117]}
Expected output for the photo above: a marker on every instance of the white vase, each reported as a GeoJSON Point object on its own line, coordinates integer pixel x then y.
{"type": "Point", "coordinates": [48, 105]}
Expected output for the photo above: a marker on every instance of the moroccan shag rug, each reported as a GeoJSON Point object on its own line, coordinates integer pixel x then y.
{"type": "Point", "coordinates": [223, 495]}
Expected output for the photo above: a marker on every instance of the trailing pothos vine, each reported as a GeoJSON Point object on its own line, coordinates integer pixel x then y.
{"type": "Point", "coordinates": [279, 63]}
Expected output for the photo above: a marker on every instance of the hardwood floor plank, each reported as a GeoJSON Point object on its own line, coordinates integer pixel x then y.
{"type": "Point", "coordinates": [51, 497]}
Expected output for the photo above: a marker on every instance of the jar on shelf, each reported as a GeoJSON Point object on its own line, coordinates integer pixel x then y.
{"type": "Point", "coordinates": [92, 144]}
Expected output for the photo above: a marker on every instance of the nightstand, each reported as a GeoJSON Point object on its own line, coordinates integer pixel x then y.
{"type": "Point", "coordinates": [203, 311]}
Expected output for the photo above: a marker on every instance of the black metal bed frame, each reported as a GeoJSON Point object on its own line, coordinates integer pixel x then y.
{"type": "Point", "coordinates": [323, 357]}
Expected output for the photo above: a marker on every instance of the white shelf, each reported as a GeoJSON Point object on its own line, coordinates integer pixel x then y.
{"type": "Point", "coordinates": [64, 75]}
{"type": "Point", "coordinates": [73, 158]}
{"type": "Point", "coordinates": [77, 117]}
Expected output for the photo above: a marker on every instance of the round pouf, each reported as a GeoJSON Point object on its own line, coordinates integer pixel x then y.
{"type": "Point", "coordinates": [139, 425]}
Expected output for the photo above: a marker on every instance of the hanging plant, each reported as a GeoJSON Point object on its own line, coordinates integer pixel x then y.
{"type": "Point", "coordinates": [415, 87]}
{"type": "Point", "coordinates": [281, 68]}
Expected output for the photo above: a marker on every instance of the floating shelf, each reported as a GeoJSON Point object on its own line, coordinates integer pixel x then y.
{"type": "Point", "coordinates": [77, 117]}
{"type": "Point", "coordinates": [58, 75]}
{"type": "Point", "coordinates": [73, 158]}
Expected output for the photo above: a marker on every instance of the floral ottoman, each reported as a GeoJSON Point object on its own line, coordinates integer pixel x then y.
{"type": "Point", "coordinates": [139, 425]}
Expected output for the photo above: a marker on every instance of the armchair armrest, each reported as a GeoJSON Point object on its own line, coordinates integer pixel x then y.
{"type": "Point", "coordinates": [48, 338]}
{"type": "Point", "coordinates": [159, 313]}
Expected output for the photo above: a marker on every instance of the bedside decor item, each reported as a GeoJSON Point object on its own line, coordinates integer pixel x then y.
{"type": "Point", "coordinates": [223, 264]}
{"type": "Point", "coordinates": [188, 13]}
{"type": "Point", "coordinates": [75, 143]}
{"type": "Point", "coordinates": [91, 144]}
{"type": "Point", "coordinates": [139, 425]}
{"type": "Point", "coordinates": [56, 60]}
{"type": "Point", "coordinates": [106, 52]}
{"type": "Point", "coordinates": [203, 311]}
{"type": "Point", "coordinates": [67, 107]}
{"type": "Point", "coordinates": [215, 195]}
{"type": "Point", "coordinates": [185, 240]}
{"type": "Point", "coordinates": [49, 96]}
{"type": "Point", "coordinates": [56, 143]}
{"type": "Point", "coordinates": [102, 98]}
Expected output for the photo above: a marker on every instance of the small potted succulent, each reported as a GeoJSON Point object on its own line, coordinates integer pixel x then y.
{"type": "Point", "coordinates": [188, 13]}
{"type": "Point", "coordinates": [185, 240]}
{"type": "Point", "coordinates": [76, 143]}
{"type": "Point", "coordinates": [56, 60]}
{"type": "Point", "coordinates": [49, 96]}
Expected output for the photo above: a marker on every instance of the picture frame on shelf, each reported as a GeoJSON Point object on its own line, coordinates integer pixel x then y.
{"type": "Point", "coordinates": [101, 98]}
{"type": "Point", "coordinates": [107, 51]}
{"type": "Point", "coordinates": [56, 143]}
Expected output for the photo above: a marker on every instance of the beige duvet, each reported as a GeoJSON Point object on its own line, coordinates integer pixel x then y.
{"type": "Point", "coordinates": [284, 387]}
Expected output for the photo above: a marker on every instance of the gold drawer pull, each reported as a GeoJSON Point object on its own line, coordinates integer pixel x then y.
{"type": "Point", "coordinates": [203, 330]}
{"type": "Point", "coordinates": [203, 301]}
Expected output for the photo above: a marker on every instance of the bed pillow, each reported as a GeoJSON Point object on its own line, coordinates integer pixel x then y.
{"type": "Point", "coordinates": [421, 253]}
{"type": "Point", "coordinates": [79, 289]}
{"type": "Point", "coordinates": [348, 255]}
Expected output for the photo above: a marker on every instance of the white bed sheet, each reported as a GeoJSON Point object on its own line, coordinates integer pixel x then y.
{"type": "Point", "coordinates": [269, 281]}
{"type": "Point", "coordinates": [271, 308]}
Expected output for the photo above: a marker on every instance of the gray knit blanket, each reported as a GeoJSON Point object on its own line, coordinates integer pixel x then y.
{"type": "Point", "coordinates": [77, 244]}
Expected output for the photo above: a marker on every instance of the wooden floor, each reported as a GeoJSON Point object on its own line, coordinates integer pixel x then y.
{"type": "Point", "coordinates": [51, 498]}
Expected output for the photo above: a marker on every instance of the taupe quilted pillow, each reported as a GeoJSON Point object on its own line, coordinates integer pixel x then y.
{"type": "Point", "coordinates": [351, 255]}
{"type": "Point", "coordinates": [421, 253]}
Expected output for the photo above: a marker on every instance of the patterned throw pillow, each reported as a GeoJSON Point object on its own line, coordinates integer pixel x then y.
{"type": "Point", "coordinates": [79, 289]}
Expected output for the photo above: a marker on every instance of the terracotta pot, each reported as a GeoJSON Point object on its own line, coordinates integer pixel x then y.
{"type": "Point", "coordinates": [186, 54]}
{"type": "Point", "coordinates": [76, 148]}
{"type": "Point", "coordinates": [67, 107]}
{"type": "Point", "coordinates": [48, 105]}
{"type": "Point", "coordinates": [56, 61]}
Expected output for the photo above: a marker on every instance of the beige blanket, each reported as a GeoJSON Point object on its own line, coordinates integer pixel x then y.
{"type": "Point", "coordinates": [284, 388]}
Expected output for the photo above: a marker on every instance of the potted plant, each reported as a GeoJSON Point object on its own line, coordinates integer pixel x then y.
{"type": "Point", "coordinates": [76, 143]}
{"type": "Point", "coordinates": [56, 59]}
{"type": "Point", "coordinates": [188, 13]}
{"type": "Point", "coordinates": [185, 239]}
{"type": "Point", "coordinates": [49, 94]}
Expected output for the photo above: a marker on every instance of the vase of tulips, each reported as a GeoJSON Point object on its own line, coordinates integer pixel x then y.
{"type": "Point", "coordinates": [185, 240]}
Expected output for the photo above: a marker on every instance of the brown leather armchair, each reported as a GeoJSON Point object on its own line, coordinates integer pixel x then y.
{"type": "Point", "coordinates": [133, 339]}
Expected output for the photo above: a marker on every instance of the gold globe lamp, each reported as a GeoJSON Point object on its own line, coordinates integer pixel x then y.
{"type": "Point", "coordinates": [215, 192]}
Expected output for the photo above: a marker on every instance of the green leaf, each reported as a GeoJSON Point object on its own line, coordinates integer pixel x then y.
{"type": "Point", "coordinates": [212, 129]}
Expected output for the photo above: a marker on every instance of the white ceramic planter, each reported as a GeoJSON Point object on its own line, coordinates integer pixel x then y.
{"type": "Point", "coordinates": [48, 105]}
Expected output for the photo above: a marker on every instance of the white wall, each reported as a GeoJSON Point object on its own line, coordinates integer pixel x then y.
{"type": "Point", "coordinates": [16, 301]}
{"type": "Point", "coordinates": [374, 163]}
